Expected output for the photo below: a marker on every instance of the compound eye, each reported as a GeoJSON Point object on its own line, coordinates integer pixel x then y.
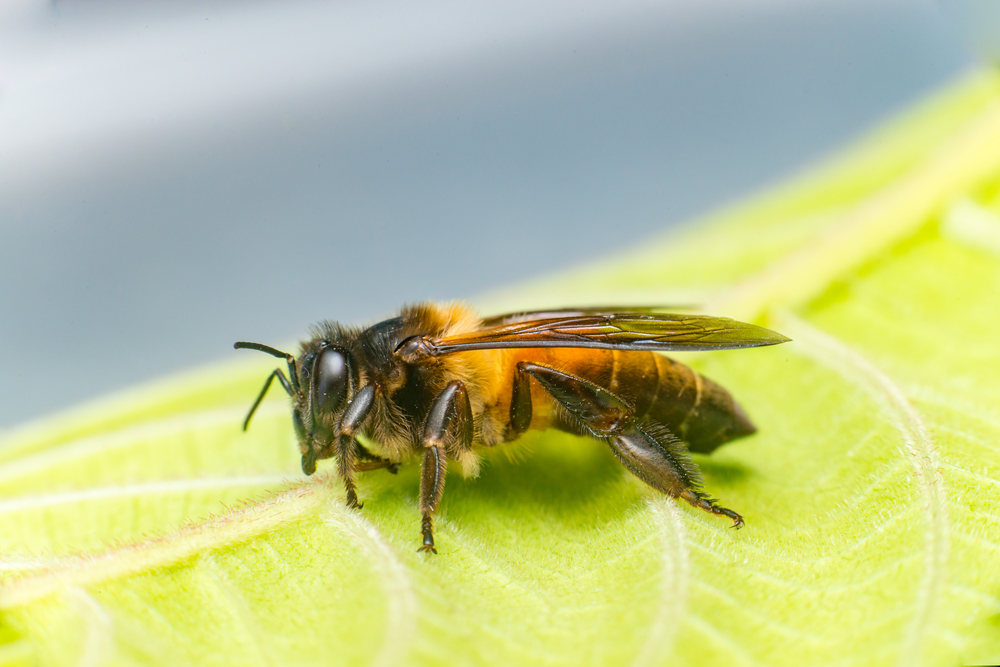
{"type": "Point", "coordinates": [329, 376]}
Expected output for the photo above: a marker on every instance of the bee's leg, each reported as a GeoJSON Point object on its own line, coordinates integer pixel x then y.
{"type": "Point", "coordinates": [659, 458]}
{"type": "Point", "coordinates": [368, 461]}
{"type": "Point", "coordinates": [648, 449]}
{"type": "Point", "coordinates": [520, 406]}
{"type": "Point", "coordinates": [354, 416]}
{"type": "Point", "coordinates": [450, 417]}
{"type": "Point", "coordinates": [346, 468]}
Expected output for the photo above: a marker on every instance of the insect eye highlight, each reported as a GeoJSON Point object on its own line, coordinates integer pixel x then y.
{"type": "Point", "coordinates": [330, 375]}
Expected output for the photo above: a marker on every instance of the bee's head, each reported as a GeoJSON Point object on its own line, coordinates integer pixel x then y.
{"type": "Point", "coordinates": [321, 383]}
{"type": "Point", "coordinates": [328, 379]}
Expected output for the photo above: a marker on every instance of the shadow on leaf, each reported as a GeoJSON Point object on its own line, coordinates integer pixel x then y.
{"type": "Point", "coordinates": [723, 473]}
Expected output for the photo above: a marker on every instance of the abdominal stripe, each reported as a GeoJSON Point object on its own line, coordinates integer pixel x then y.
{"type": "Point", "coordinates": [698, 384]}
{"type": "Point", "coordinates": [656, 383]}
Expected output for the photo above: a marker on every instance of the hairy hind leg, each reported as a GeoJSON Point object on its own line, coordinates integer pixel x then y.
{"type": "Point", "coordinates": [659, 458]}
{"type": "Point", "coordinates": [702, 501]}
{"type": "Point", "coordinates": [648, 449]}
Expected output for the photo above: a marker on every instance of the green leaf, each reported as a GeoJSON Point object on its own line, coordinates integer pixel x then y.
{"type": "Point", "coordinates": [149, 529]}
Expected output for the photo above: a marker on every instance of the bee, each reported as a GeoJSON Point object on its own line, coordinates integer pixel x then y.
{"type": "Point", "coordinates": [439, 382]}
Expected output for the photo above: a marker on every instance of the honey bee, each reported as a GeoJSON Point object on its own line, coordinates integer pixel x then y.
{"type": "Point", "coordinates": [440, 382]}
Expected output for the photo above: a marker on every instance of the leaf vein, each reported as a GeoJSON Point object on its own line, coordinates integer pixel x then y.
{"type": "Point", "coordinates": [401, 600]}
{"type": "Point", "coordinates": [675, 574]}
{"type": "Point", "coordinates": [920, 450]}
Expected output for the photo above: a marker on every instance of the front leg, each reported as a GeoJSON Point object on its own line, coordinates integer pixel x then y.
{"type": "Point", "coordinates": [354, 416]}
{"type": "Point", "coordinates": [450, 417]}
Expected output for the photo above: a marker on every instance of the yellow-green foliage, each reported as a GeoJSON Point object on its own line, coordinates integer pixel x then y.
{"type": "Point", "coordinates": [150, 530]}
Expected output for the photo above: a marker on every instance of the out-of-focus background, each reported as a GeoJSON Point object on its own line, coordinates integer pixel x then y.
{"type": "Point", "coordinates": [178, 175]}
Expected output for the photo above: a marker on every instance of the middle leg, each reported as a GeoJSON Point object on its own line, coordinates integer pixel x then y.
{"type": "Point", "coordinates": [450, 418]}
{"type": "Point", "coordinates": [367, 461]}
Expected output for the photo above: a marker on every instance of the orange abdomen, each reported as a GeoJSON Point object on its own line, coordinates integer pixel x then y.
{"type": "Point", "coordinates": [691, 406]}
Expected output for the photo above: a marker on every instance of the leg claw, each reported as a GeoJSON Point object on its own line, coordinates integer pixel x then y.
{"type": "Point", "coordinates": [352, 500]}
{"type": "Point", "coordinates": [708, 504]}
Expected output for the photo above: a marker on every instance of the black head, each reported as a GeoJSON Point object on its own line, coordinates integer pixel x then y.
{"type": "Point", "coordinates": [321, 383]}
{"type": "Point", "coordinates": [328, 375]}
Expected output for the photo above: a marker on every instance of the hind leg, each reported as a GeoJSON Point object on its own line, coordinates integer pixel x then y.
{"type": "Point", "coordinates": [648, 449]}
{"type": "Point", "coordinates": [659, 458]}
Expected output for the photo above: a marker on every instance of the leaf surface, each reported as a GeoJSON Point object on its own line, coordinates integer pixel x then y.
{"type": "Point", "coordinates": [148, 529]}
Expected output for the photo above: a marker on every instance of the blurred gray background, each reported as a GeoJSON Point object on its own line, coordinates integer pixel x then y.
{"type": "Point", "coordinates": [178, 175]}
